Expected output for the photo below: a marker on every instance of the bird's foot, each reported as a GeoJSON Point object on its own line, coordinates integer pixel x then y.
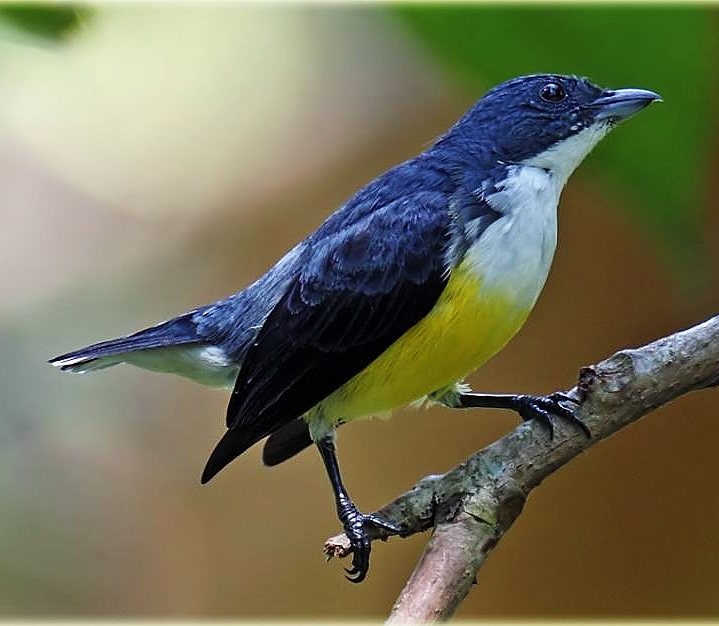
{"type": "Point", "coordinates": [358, 528]}
{"type": "Point", "coordinates": [543, 408]}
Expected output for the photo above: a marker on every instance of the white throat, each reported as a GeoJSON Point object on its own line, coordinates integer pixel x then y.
{"type": "Point", "coordinates": [514, 254]}
{"type": "Point", "coordinates": [564, 157]}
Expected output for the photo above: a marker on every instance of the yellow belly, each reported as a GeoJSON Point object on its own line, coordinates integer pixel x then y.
{"type": "Point", "coordinates": [467, 326]}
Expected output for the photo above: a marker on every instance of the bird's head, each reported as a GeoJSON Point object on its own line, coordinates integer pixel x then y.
{"type": "Point", "coordinates": [548, 120]}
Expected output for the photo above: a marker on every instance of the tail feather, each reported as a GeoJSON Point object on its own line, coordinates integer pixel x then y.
{"type": "Point", "coordinates": [178, 331]}
{"type": "Point", "coordinates": [232, 444]}
{"type": "Point", "coordinates": [286, 442]}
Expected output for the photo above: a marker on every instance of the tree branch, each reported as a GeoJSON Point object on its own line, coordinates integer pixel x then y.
{"type": "Point", "coordinates": [474, 504]}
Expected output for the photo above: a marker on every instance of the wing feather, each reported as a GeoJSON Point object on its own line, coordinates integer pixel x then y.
{"type": "Point", "coordinates": [358, 292]}
{"type": "Point", "coordinates": [368, 274]}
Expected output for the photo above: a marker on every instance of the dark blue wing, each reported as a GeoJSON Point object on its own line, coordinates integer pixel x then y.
{"type": "Point", "coordinates": [360, 289]}
{"type": "Point", "coordinates": [372, 271]}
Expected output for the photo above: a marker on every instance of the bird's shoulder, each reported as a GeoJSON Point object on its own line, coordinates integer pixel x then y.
{"type": "Point", "coordinates": [421, 178]}
{"type": "Point", "coordinates": [429, 195]}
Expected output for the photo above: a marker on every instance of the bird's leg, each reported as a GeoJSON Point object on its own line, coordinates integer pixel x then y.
{"type": "Point", "coordinates": [356, 525]}
{"type": "Point", "coordinates": [540, 408]}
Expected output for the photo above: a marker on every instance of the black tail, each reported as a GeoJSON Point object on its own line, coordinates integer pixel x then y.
{"type": "Point", "coordinates": [233, 443]}
{"type": "Point", "coordinates": [286, 442]}
{"type": "Point", "coordinates": [282, 444]}
{"type": "Point", "coordinates": [177, 331]}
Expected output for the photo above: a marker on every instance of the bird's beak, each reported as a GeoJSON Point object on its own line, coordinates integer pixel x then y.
{"type": "Point", "coordinates": [619, 104]}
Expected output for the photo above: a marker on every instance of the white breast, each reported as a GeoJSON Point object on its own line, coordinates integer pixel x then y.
{"type": "Point", "coordinates": [514, 254]}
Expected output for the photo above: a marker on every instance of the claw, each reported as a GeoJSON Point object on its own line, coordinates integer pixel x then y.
{"type": "Point", "coordinates": [357, 527]}
{"type": "Point", "coordinates": [360, 529]}
{"type": "Point", "coordinates": [391, 528]}
{"type": "Point", "coordinates": [542, 408]}
{"type": "Point", "coordinates": [356, 574]}
{"type": "Point", "coordinates": [563, 397]}
{"type": "Point", "coordinates": [361, 547]}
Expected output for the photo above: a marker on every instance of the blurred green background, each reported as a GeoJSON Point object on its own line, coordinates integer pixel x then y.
{"type": "Point", "coordinates": [154, 158]}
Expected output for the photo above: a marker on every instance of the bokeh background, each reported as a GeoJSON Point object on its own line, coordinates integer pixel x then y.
{"type": "Point", "coordinates": [158, 157]}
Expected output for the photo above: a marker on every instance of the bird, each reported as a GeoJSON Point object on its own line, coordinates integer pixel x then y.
{"type": "Point", "coordinates": [408, 287]}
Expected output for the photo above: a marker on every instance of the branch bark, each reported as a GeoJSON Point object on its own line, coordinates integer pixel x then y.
{"type": "Point", "coordinates": [474, 504]}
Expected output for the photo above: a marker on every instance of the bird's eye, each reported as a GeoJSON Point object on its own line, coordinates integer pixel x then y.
{"type": "Point", "coordinates": [552, 92]}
